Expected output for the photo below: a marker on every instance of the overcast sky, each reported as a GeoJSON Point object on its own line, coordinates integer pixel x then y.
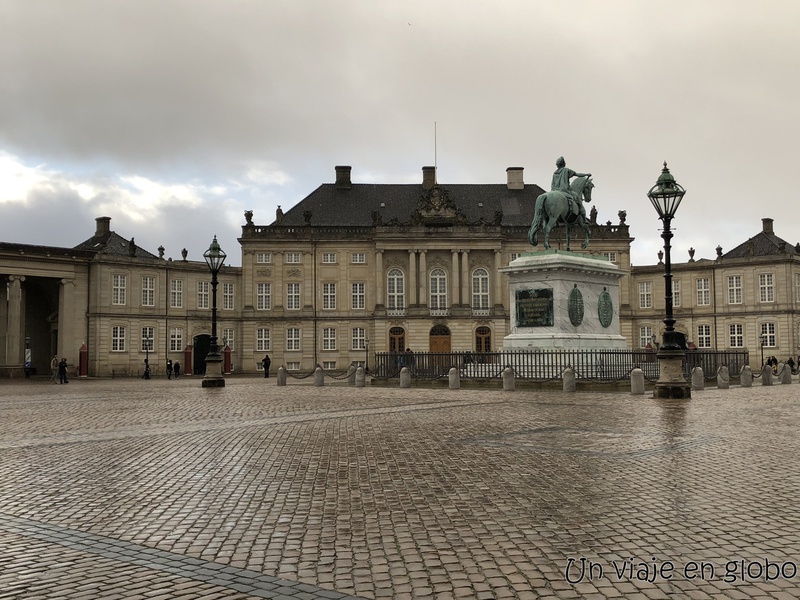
{"type": "Point", "coordinates": [172, 117]}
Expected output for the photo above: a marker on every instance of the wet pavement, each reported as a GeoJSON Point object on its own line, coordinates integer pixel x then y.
{"type": "Point", "coordinates": [162, 489]}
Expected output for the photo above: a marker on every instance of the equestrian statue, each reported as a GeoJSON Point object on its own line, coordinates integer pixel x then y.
{"type": "Point", "coordinates": [562, 204]}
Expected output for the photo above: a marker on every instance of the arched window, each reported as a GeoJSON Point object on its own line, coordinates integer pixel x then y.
{"type": "Point", "coordinates": [483, 339]}
{"type": "Point", "coordinates": [480, 289]}
{"type": "Point", "coordinates": [438, 289]}
{"type": "Point", "coordinates": [395, 290]}
{"type": "Point", "coordinates": [397, 339]}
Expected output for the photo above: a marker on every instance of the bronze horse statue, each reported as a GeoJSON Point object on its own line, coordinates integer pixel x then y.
{"type": "Point", "coordinates": [553, 208]}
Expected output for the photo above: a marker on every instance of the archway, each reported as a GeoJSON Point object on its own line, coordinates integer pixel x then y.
{"type": "Point", "coordinates": [202, 344]}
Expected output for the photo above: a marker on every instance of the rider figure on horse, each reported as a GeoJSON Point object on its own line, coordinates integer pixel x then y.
{"type": "Point", "coordinates": [560, 183]}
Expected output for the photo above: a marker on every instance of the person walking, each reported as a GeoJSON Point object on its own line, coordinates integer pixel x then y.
{"type": "Point", "coordinates": [146, 374]}
{"type": "Point", "coordinates": [54, 369]}
{"type": "Point", "coordinates": [169, 368]}
{"type": "Point", "coordinates": [62, 371]}
{"type": "Point", "coordinates": [176, 369]}
{"type": "Point", "coordinates": [266, 363]}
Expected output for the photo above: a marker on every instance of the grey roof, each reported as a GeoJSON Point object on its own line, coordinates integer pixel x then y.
{"type": "Point", "coordinates": [763, 244]}
{"type": "Point", "coordinates": [334, 206]}
{"type": "Point", "coordinates": [112, 243]}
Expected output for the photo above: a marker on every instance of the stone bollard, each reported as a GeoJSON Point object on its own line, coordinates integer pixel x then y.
{"type": "Point", "coordinates": [319, 377]}
{"type": "Point", "coordinates": [361, 377]}
{"type": "Point", "coordinates": [509, 382]}
{"type": "Point", "coordinates": [351, 375]}
{"type": "Point", "coordinates": [281, 376]}
{"type": "Point", "coordinates": [405, 377]}
{"type": "Point", "coordinates": [568, 380]}
{"type": "Point", "coordinates": [455, 378]}
{"type": "Point", "coordinates": [698, 379]}
{"type": "Point", "coordinates": [766, 375]}
{"type": "Point", "coordinates": [723, 378]}
{"type": "Point", "coordinates": [785, 374]}
{"type": "Point", "coordinates": [637, 382]}
{"type": "Point", "coordinates": [746, 376]}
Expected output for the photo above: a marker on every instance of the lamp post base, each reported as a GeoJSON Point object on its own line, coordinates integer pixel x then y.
{"type": "Point", "coordinates": [213, 376]}
{"type": "Point", "coordinates": [671, 384]}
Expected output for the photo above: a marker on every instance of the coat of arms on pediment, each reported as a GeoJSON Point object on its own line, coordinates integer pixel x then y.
{"type": "Point", "coordinates": [436, 205]}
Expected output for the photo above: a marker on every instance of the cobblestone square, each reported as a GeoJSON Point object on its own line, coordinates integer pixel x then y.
{"type": "Point", "coordinates": [154, 489]}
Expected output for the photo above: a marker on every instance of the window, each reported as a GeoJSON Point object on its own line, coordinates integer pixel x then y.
{"type": "Point", "coordinates": [515, 256]}
{"type": "Point", "coordinates": [645, 294]}
{"type": "Point", "coordinates": [328, 364]}
{"type": "Point", "coordinates": [176, 293]}
{"type": "Point", "coordinates": [262, 340]}
{"type": "Point", "coordinates": [645, 336]}
{"type": "Point", "coordinates": [293, 296]}
{"type": "Point", "coordinates": [329, 258]}
{"type": "Point", "coordinates": [768, 339]}
{"type": "Point", "coordinates": [766, 287]}
{"type": "Point", "coordinates": [228, 338]}
{"type": "Point", "coordinates": [263, 296]}
{"type": "Point", "coordinates": [397, 339]}
{"type": "Point", "coordinates": [293, 338]}
{"type": "Point", "coordinates": [704, 336]}
{"type": "Point", "coordinates": [264, 257]}
{"type": "Point", "coordinates": [117, 338]}
{"type": "Point", "coordinates": [328, 338]}
{"type": "Point", "coordinates": [328, 296]}
{"type": "Point", "coordinates": [175, 339]}
{"type": "Point", "coordinates": [227, 296]}
{"type": "Point", "coordinates": [119, 284]}
{"type": "Point", "coordinates": [292, 258]}
{"type": "Point", "coordinates": [480, 289]}
{"type": "Point", "coordinates": [359, 338]}
{"type": "Point", "coordinates": [395, 283]}
{"type": "Point", "coordinates": [438, 290]}
{"type": "Point", "coordinates": [359, 296]}
{"type": "Point", "coordinates": [358, 258]}
{"type": "Point", "coordinates": [703, 292]}
{"type": "Point", "coordinates": [483, 339]}
{"type": "Point", "coordinates": [610, 256]}
{"type": "Point", "coordinates": [734, 289]}
{"type": "Point", "coordinates": [676, 292]}
{"type": "Point", "coordinates": [202, 294]}
{"type": "Point", "coordinates": [148, 291]}
{"type": "Point", "coordinates": [148, 339]}
{"type": "Point", "coordinates": [292, 366]}
{"type": "Point", "coordinates": [736, 331]}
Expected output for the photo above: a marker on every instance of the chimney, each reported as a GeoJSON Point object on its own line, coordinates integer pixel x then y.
{"type": "Point", "coordinates": [343, 178]}
{"type": "Point", "coordinates": [428, 177]}
{"type": "Point", "coordinates": [103, 226]}
{"type": "Point", "coordinates": [514, 178]}
{"type": "Point", "coordinates": [766, 225]}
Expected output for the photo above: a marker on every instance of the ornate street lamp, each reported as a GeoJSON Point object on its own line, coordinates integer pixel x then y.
{"type": "Point", "coordinates": [666, 196]}
{"type": "Point", "coordinates": [366, 355]}
{"type": "Point", "coordinates": [763, 343]}
{"type": "Point", "coordinates": [215, 258]}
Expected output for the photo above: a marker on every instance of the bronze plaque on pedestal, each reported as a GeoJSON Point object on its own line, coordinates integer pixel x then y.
{"type": "Point", "coordinates": [534, 308]}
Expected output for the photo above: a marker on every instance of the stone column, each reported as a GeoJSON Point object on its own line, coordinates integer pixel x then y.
{"type": "Point", "coordinates": [16, 322]}
{"type": "Point", "coordinates": [3, 320]}
{"type": "Point", "coordinates": [454, 278]}
{"type": "Point", "coordinates": [278, 292]}
{"type": "Point", "coordinates": [466, 297]}
{"type": "Point", "coordinates": [379, 278]}
{"type": "Point", "coordinates": [307, 285]}
{"type": "Point", "coordinates": [412, 278]}
{"type": "Point", "coordinates": [423, 278]}
{"type": "Point", "coordinates": [497, 279]}
{"type": "Point", "coordinates": [67, 322]}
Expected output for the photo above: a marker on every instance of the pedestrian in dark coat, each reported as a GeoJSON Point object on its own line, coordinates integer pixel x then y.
{"type": "Point", "coordinates": [266, 363]}
{"type": "Point", "coordinates": [177, 369]}
{"type": "Point", "coordinates": [169, 368]}
{"type": "Point", "coordinates": [62, 371]}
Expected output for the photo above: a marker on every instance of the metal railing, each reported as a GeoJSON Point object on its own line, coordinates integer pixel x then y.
{"type": "Point", "coordinates": [548, 365]}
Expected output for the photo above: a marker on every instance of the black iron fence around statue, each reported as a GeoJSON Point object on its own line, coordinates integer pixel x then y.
{"type": "Point", "coordinates": [547, 365]}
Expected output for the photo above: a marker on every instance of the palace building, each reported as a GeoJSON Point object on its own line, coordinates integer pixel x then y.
{"type": "Point", "coordinates": [354, 269]}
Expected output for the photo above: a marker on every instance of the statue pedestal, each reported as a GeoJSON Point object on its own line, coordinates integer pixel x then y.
{"type": "Point", "coordinates": [563, 301]}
